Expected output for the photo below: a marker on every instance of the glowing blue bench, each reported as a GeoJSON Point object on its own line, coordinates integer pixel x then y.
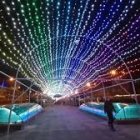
{"type": "Point", "coordinates": [123, 111]}
{"type": "Point", "coordinates": [20, 113]}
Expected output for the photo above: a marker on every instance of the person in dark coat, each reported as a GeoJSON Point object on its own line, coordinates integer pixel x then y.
{"type": "Point", "coordinates": [108, 109]}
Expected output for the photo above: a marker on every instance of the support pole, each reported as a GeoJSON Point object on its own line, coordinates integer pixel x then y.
{"type": "Point", "coordinates": [91, 97]}
{"type": "Point", "coordinates": [29, 96]}
{"type": "Point", "coordinates": [30, 92]}
{"type": "Point", "coordinates": [84, 98]}
{"type": "Point", "coordinates": [104, 91]}
{"type": "Point", "coordinates": [134, 90]}
{"type": "Point", "coordinates": [79, 99]}
{"type": "Point", "coordinates": [11, 108]}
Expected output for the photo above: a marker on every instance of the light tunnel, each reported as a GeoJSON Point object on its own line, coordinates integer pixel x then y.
{"type": "Point", "coordinates": [75, 41]}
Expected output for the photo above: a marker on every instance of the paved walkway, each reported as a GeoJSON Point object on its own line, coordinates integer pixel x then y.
{"type": "Point", "coordinates": [69, 123]}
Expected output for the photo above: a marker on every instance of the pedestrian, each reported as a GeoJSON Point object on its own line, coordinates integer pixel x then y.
{"type": "Point", "coordinates": [109, 109]}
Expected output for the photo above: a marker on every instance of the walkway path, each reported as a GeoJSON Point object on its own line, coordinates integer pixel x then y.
{"type": "Point", "coordinates": [69, 123]}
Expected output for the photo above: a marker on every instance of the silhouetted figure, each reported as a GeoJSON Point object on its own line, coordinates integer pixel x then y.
{"type": "Point", "coordinates": [108, 109]}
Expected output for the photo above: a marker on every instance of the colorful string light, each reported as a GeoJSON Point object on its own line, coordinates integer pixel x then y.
{"type": "Point", "coordinates": [64, 44]}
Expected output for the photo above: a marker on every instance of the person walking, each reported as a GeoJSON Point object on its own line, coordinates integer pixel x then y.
{"type": "Point", "coordinates": [109, 109]}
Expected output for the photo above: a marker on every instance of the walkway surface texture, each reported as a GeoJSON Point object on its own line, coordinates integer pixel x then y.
{"type": "Point", "coordinates": [69, 123]}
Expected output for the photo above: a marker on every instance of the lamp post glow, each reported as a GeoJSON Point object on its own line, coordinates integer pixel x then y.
{"type": "Point", "coordinates": [89, 85]}
{"type": "Point", "coordinates": [11, 79]}
{"type": "Point", "coordinates": [113, 72]}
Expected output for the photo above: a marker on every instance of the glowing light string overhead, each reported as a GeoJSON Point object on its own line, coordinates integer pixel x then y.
{"type": "Point", "coordinates": [67, 40]}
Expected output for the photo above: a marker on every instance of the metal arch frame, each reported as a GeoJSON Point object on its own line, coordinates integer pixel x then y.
{"type": "Point", "coordinates": [30, 52]}
{"type": "Point", "coordinates": [56, 70]}
{"type": "Point", "coordinates": [84, 62]}
{"type": "Point", "coordinates": [132, 81]}
{"type": "Point", "coordinates": [133, 86]}
{"type": "Point", "coordinates": [28, 88]}
{"type": "Point", "coordinates": [71, 78]}
{"type": "Point", "coordinates": [18, 80]}
{"type": "Point", "coordinates": [67, 69]}
{"type": "Point", "coordinates": [111, 49]}
{"type": "Point", "coordinates": [69, 87]}
{"type": "Point", "coordinates": [125, 82]}
{"type": "Point", "coordinates": [15, 84]}
{"type": "Point", "coordinates": [68, 83]}
{"type": "Point", "coordinates": [64, 68]}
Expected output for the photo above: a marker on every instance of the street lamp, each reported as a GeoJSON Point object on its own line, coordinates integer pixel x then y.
{"type": "Point", "coordinates": [89, 85]}
{"type": "Point", "coordinates": [112, 73]}
{"type": "Point", "coordinates": [11, 79]}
